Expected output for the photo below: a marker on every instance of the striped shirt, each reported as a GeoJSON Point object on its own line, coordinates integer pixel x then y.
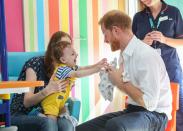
{"type": "Point", "coordinates": [63, 72]}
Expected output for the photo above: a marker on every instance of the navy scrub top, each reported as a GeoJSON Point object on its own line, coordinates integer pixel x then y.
{"type": "Point", "coordinates": [171, 25]}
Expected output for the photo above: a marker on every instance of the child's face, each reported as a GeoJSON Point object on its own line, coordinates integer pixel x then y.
{"type": "Point", "coordinates": [69, 57]}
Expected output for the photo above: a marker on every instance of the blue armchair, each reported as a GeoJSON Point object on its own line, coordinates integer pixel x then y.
{"type": "Point", "coordinates": [16, 60]}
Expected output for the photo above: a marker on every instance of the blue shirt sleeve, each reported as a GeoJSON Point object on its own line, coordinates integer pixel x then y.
{"type": "Point", "coordinates": [179, 25]}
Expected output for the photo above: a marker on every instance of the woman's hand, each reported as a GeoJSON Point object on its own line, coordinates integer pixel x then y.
{"type": "Point", "coordinates": [158, 36]}
{"type": "Point", "coordinates": [148, 39]}
{"type": "Point", "coordinates": [55, 86]}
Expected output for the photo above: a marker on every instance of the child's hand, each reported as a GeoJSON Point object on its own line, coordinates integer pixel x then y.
{"type": "Point", "coordinates": [102, 64]}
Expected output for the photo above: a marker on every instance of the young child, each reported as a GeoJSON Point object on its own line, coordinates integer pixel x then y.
{"type": "Point", "coordinates": [66, 68]}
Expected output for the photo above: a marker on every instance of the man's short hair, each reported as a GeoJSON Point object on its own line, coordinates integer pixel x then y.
{"type": "Point", "coordinates": [116, 18]}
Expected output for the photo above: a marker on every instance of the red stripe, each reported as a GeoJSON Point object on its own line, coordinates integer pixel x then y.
{"type": "Point", "coordinates": [14, 25]}
{"type": "Point", "coordinates": [53, 16]}
{"type": "Point", "coordinates": [71, 34]}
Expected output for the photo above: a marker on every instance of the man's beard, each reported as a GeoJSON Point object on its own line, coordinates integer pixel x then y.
{"type": "Point", "coordinates": [115, 45]}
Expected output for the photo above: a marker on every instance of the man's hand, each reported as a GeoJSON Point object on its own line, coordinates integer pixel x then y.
{"type": "Point", "coordinates": [115, 75]}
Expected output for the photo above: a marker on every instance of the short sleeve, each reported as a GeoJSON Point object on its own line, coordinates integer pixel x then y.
{"type": "Point", "coordinates": [179, 25]}
{"type": "Point", "coordinates": [63, 72]}
{"type": "Point", "coordinates": [34, 63]}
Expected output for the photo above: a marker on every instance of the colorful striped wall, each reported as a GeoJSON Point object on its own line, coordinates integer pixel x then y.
{"type": "Point", "coordinates": [30, 23]}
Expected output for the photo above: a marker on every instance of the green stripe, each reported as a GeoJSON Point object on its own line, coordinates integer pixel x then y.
{"type": "Point", "coordinates": [84, 58]}
{"type": "Point", "coordinates": [31, 25]}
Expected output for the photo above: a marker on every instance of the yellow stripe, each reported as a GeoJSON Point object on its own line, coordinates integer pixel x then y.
{"type": "Point", "coordinates": [5, 96]}
{"type": "Point", "coordinates": [121, 5]}
{"type": "Point", "coordinates": [64, 13]}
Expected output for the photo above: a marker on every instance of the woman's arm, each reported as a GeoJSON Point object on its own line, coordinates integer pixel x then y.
{"type": "Point", "coordinates": [174, 42]}
{"type": "Point", "coordinates": [31, 99]}
{"type": "Point", "coordinates": [158, 36]}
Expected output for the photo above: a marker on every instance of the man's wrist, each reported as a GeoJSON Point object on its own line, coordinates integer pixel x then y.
{"type": "Point", "coordinates": [120, 85]}
{"type": "Point", "coordinates": [125, 85]}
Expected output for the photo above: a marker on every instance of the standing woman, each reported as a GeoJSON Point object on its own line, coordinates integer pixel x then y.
{"type": "Point", "coordinates": [161, 26]}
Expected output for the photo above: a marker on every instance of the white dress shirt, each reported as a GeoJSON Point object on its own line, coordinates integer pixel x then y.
{"type": "Point", "coordinates": [145, 69]}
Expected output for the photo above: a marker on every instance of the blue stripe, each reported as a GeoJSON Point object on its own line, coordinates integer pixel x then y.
{"type": "Point", "coordinates": [40, 25]}
{"type": "Point", "coordinates": [66, 72]}
{"type": "Point", "coordinates": [63, 72]}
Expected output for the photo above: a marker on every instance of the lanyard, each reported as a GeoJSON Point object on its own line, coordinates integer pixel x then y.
{"type": "Point", "coordinates": [153, 27]}
{"type": "Point", "coordinates": [152, 23]}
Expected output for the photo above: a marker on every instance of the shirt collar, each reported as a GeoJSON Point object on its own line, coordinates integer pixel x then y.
{"type": "Point", "coordinates": [128, 51]}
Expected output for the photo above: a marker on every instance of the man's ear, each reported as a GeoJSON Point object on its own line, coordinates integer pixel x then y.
{"type": "Point", "coordinates": [62, 60]}
{"type": "Point", "coordinates": [115, 30]}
